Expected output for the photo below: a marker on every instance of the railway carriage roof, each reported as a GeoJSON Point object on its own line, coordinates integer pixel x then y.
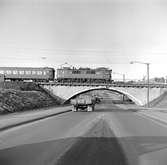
{"type": "Point", "coordinates": [25, 68]}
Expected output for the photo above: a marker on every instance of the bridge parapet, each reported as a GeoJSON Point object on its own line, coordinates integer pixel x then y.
{"type": "Point", "coordinates": [131, 85]}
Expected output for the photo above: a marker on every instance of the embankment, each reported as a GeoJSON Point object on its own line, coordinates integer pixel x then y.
{"type": "Point", "coordinates": [160, 102]}
{"type": "Point", "coordinates": [21, 96]}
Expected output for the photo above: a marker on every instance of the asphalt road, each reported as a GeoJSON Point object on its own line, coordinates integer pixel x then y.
{"type": "Point", "coordinates": [110, 135]}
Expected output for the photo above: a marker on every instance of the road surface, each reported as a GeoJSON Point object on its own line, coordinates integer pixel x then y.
{"type": "Point", "coordinates": [110, 135]}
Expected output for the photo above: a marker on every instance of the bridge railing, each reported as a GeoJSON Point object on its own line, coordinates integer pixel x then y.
{"type": "Point", "coordinates": [115, 84]}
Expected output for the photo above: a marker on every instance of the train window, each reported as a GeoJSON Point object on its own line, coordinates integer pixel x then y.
{"type": "Point", "coordinates": [34, 72]}
{"type": "Point", "coordinates": [39, 72]}
{"type": "Point", "coordinates": [76, 72]}
{"type": "Point", "coordinates": [15, 72]}
{"type": "Point", "coordinates": [1, 71]}
{"type": "Point", "coordinates": [8, 71]}
{"type": "Point", "coordinates": [21, 72]}
{"type": "Point", "coordinates": [90, 72]}
{"type": "Point", "coordinates": [28, 72]}
{"type": "Point", "coordinates": [44, 72]}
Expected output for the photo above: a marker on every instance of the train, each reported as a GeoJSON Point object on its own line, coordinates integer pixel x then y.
{"type": "Point", "coordinates": [28, 73]}
{"type": "Point", "coordinates": [84, 75]}
{"type": "Point", "coordinates": [64, 74]}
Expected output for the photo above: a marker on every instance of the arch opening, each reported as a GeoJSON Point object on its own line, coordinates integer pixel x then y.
{"type": "Point", "coordinates": [124, 94]}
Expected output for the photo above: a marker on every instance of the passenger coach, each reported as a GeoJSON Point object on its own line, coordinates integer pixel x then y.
{"type": "Point", "coordinates": [28, 73]}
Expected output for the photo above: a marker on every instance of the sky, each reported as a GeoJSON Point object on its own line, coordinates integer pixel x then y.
{"type": "Point", "coordinates": [85, 33]}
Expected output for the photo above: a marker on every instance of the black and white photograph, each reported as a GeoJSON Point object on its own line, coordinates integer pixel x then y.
{"type": "Point", "coordinates": [83, 82]}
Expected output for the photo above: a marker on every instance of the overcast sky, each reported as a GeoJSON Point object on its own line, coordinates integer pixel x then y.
{"type": "Point", "coordinates": [90, 33]}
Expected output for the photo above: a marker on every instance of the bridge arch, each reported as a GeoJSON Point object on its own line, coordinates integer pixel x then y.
{"type": "Point", "coordinates": [135, 100]}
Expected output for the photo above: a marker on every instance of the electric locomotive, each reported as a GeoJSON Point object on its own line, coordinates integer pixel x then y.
{"type": "Point", "coordinates": [84, 75]}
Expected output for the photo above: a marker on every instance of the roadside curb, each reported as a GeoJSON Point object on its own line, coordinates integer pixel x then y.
{"type": "Point", "coordinates": [32, 120]}
{"type": "Point", "coordinates": [155, 118]}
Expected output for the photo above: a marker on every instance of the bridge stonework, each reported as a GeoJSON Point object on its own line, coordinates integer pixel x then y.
{"type": "Point", "coordinates": [138, 95]}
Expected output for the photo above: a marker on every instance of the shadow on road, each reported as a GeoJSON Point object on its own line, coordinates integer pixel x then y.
{"type": "Point", "coordinates": [96, 151]}
{"type": "Point", "coordinates": [85, 151]}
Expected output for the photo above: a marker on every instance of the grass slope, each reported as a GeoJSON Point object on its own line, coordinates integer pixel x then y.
{"type": "Point", "coordinates": [160, 102]}
{"type": "Point", "coordinates": [21, 96]}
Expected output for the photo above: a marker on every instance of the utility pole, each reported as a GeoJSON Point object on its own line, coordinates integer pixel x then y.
{"type": "Point", "coordinates": [148, 89]}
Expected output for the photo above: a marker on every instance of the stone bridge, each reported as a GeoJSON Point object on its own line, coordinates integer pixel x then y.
{"type": "Point", "coordinates": [137, 95]}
